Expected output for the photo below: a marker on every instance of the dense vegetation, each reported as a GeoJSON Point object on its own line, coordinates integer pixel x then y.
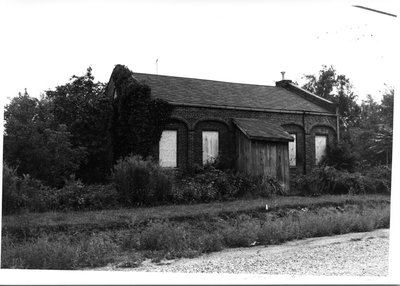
{"type": "Point", "coordinates": [366, 129]}
{"type": "Point", "coordinates": [134, 182]}
{"type": "Point", "coordinates": [78, 130]}
{"type": "Point", "coordinates": [138, 119]}
{"type": "Point", "coordinates": [77, 149]}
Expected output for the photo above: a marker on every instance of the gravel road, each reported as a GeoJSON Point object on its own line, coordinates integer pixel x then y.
{"type": "Point", "coordinates": [355, 254]}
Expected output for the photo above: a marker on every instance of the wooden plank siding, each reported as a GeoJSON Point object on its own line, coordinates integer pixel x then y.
{"type": "Point", "coordinates": [259, 157]}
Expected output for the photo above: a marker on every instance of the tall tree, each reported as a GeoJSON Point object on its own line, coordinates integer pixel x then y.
{"type": "Point", "coordinates": [370, 113]}
{"type": "Point", "coordinates": [84, 108]}
{"type": "Point", "coordinates": [387, 105]}
{"type": "Point", "coordinates": [338, 89]}
{"type": "Point", "coordinates": [33, 146]}
{"type": "Point", "coordinates": [366, 128]}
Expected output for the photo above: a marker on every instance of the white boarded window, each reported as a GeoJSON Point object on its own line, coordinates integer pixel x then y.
{"type": "Point", "coordinates": [320, 147]}
{"type": "Point", "coordinates": [168, 148]}
{"type": "Point", "coordinates": [292, 150]}
{"type": "Point", "coordinates": [210, 146]}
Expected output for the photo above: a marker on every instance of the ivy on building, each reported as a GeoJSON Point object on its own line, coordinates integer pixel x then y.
{"type": "Point", "coordinates": [138, 119]}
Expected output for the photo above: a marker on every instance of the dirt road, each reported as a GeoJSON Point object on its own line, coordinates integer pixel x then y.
{"type": "Point", "coordinates": [355, 254]}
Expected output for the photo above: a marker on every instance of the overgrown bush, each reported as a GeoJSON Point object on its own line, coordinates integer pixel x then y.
{"type": "Point", "coordinates": [341, 157]}
{"type": "Point", "coordinates": [328, 180]}
{"type": "Point", "coordinates": [13, 198]}
{"type": "Point", "coordinates": [25, 193]}
{"type": "Point", "coordinates": [76, 196]}
{"type": "Point", "coordinates": [379, 178]}
{"type": "Point", "coordinates": [207, 183]}
{"type": "Point", "coordinates": [140, 181]}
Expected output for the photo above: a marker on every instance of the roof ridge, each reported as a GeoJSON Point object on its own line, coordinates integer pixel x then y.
{"type": "Point", "coordinates": [310, 93]}
{"type": "Point", "coordinates": [202, 79]}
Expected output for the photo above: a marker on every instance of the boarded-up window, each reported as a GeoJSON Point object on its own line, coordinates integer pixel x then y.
{"type": "Point", "coordinates": [210, 146]}
{"type": "Point", "coordinates": [168, 148]}
{"type": "Point", "coordinates": [292, 151]}
{"type": "Point", "coordinates": [320, 147]}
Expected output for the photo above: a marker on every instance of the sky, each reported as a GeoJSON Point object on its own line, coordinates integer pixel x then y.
{"type": "Point", "coordinates": [45, 42]}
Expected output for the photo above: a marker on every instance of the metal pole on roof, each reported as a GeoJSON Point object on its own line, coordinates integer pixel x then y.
{"type": "Point", "coordinates": [157, 66]}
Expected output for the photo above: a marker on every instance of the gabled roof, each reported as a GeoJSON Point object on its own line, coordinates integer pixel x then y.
{"type": "Point", "coordinates": [190, 91]}
{"type": "Point", "coordinates": [262, 130]}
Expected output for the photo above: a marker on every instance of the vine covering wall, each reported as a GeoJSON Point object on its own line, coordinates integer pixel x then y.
{"type": "Point", "coordinates": [138, 119]}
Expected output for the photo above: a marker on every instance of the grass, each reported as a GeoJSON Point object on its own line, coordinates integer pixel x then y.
{"type": "Point", "coordinates": [122, 218]}
{"type": "Point", "coordinates": [57, 252]}
{"type": "Point", "coordinates": [180, 231]}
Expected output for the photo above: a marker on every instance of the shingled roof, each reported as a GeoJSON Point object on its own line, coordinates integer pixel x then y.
{"type": "Point", "coordinates": [261, 130]}
{"type": "Point", "coordinates": [190, 91]}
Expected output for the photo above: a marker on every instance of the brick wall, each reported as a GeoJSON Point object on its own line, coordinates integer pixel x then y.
{"type": "Point", "coordinates": [191, 121]}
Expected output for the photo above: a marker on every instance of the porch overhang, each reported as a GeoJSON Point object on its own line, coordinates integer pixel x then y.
{"type": "Point", "coordinates": [257, 129]}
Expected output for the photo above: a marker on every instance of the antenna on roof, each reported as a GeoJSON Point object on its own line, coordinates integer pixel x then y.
{"type": "Point", "coordinates": [157, 66]}
{"type": "Point", "coordinates": [283, 75]}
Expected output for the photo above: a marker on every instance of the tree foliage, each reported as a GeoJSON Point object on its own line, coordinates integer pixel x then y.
{"type": "Point", "coordinates": [387, 107]}
{"type": "Point", "coordinates": [85, 109]}
{"type": "Point", "coordinates": [33, 147]}
{"type": "Point", "coordinates": [138, 119]}
{"type": "Point", "coordinates": [66, 132]}
{"type": "Point", "coordinates": [70, 129]}
{"type": "Point", "coordinates": [366, 129]}
{"type": "Point", "coordinates": [339, 90]}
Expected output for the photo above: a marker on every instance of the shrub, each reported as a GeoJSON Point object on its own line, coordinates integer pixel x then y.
{"type": "Point", "coordinates": [97, 197]}
{"type": "Point", "coordinates": [266, 186]}
{"type": "Point", "coordinates": [328, 180]}
{"type": "Point", "coordinates": [341, 157]}
{"type": "Point", "coordinates": [13, 198]}
{"type": "Point", "coordinates": [25, 193]}
{"type": "Point", "coordinates": [206, 183]}
{"type": "Point", "coordinates": [70, 196]}
{"type": "Point", "coordinates": [189, 190]}
{"type": "Point", "coordinates": [242, 183]}
{"type": "Point", "coordinates": [141, 181]}
{"type": "Point", "coordinates": [379, 179]}
{"type": "Point", "coordinates": [76, 196]}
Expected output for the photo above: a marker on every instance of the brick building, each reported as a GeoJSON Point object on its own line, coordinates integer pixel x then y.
{"type": "Point", "coordinates": [275, 130]}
